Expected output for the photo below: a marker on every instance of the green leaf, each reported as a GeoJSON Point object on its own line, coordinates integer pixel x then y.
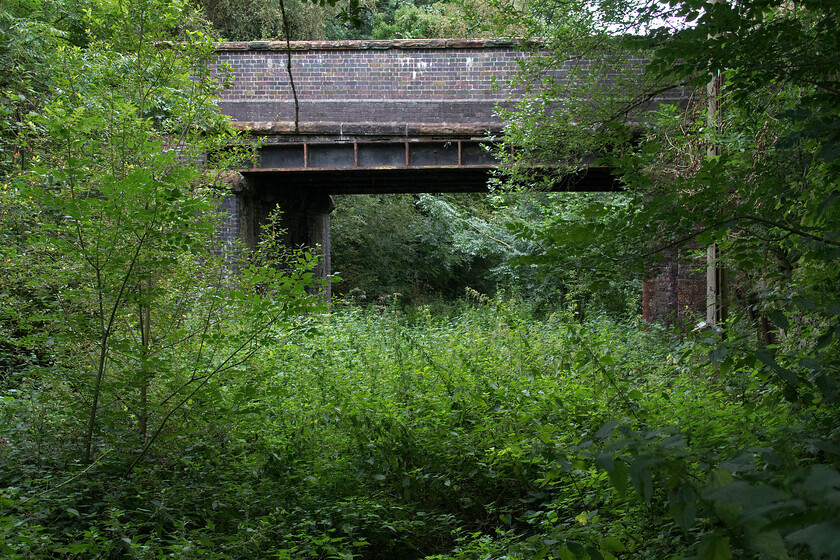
{"type": "Point", "coordinates": [830, 151]}
{"type": "Point", "coordinates": [714, 547]}
{"type": "Point", "coordinates": [823, 539]}
{"type": "Point", "coordinates": [682, 503]}
{"type": "Point", "coordinates": [542, 553]}
{"type": "Point", "coordinates": [594, 553]}
{"type": "Point", "coordinates": [615, 469]}
{"type": "Point", "coordinates": [821, 481]}
{"type": "Point", "coordinates": [766, 542]}
{"type": "Point", "coordinates": [784, 373]}
{"type": "Point", "coordinates": [825, 339]}
{"type": "Point", "coordinates": [779, 319]}
{"type": "Point", "coordinates": [825, 204]}
{"type": "Point", "coordinates": [606, 430]}
{"type": "Point", "coordinates": [746, 495]}
{"type": "Point", "coordinates": [642, 477]}
{"type": "Point", "coordinates": [618, 477]}
{"type": "Point", "coordinates": [613, 545]}
{"type": "Point", "coordinates": [576, 549]}
{"type": "Point", "coordinates": [565, 554]}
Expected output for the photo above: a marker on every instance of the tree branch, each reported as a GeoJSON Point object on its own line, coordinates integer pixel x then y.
{"type": "Point", "coordinates": [789, 229]}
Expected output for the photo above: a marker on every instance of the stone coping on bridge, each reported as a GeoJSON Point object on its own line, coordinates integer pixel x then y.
{"type": "Point", "coordinates": [367, 45]}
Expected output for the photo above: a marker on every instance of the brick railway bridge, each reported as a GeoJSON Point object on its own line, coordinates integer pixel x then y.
{"type": "Point", "coordinates": [397, 116]}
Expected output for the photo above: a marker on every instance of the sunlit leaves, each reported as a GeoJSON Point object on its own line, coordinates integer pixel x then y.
{"type": "Point", "coordinates": [126, 211]}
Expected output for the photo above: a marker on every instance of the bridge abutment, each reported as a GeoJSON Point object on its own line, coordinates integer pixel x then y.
{"type": "Point", "coordinates": [304, 218]}
{"type": "Point", "coordinates": [674, 290]}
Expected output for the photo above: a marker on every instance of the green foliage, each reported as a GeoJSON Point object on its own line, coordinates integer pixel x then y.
{"type": "Point", "coordinates": [248, 20]}
{"type": "Point", "coordinates": [553, 237]}
{"type": "Point", "coordinates": [752, 168]}
{"type": "Point", "coordinates": [153, 405]}
{"type": "Point", "coordinates": [131, 316]}
{"type": "Point", "coordinates": [124, 329]}
{"type": "Point", "coordinates": [430, 247]}
{"type": "Point", "coordinates": [413, 246]}
{"type": "Point", "coordinates": [399, 19]}
{"type": "Point", "coordinates": [482, 432]}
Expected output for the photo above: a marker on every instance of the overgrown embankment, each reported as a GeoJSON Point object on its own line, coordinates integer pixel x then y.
{"type": "Point", "coordinates": [481, 433]}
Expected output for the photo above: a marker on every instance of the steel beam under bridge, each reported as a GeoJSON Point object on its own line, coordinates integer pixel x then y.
{"type": "Point", "coordinates": [392, 166]}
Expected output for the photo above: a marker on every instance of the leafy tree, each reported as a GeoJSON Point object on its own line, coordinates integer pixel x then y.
{"type": "Point", "coordinates": [751, 165]}
{"type": "Point", "coordinates": [30, 34]}
{"type": "Point", "coordinates": [120, 204]}
{"type": "Point", "coordinates": [248, 20]}
{"type": "Point", "coordinates": [406, 19]}
{"type": "Point", "coordinates": [244, 20]}
{"type": "Point", "coordinates": [418, 20]}
{"type": "Point", "coordinates": [434, 246]}
{"type": "Point", "coordinates": [397, 244]}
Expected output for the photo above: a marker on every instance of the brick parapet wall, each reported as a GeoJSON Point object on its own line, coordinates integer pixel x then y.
{"type": "Point", "coordinates": [426, 85]}
{"type": "Point", "coordinates": [432, 86]}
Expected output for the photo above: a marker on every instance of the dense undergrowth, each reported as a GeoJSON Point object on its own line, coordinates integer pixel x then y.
{"type": "Point", "coordinates": [480, 432]}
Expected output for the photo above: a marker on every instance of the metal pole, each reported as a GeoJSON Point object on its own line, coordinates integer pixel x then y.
{"type": "Point", "coordinates": [715, 273]}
